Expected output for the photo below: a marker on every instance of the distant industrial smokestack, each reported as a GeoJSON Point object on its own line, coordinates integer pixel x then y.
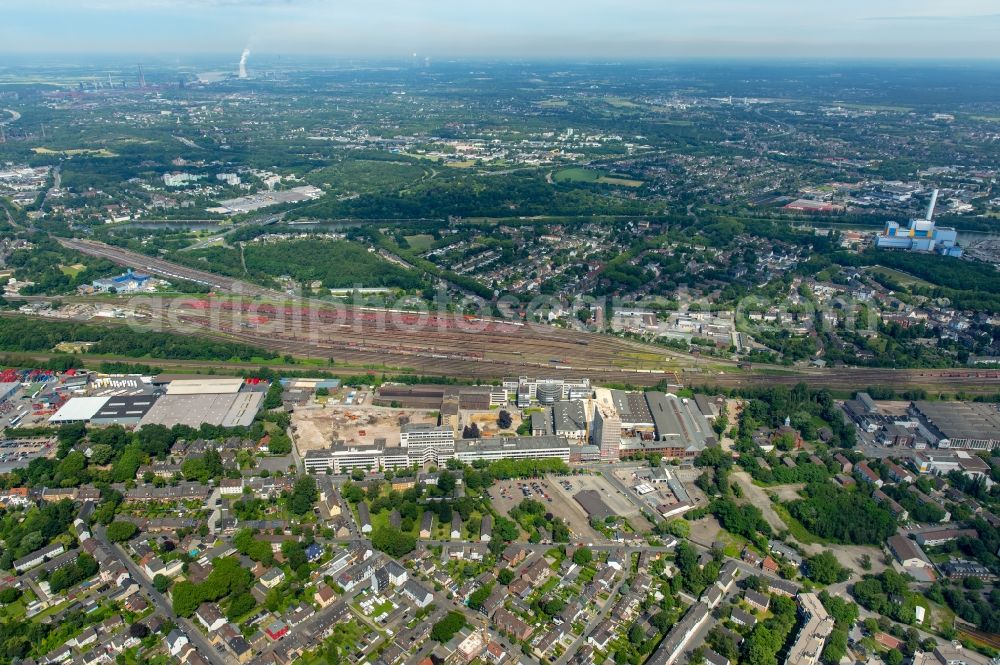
{"type": "Point", "coordinates": [243, 63]}
{"type": "Point", "coordinates": [930, 208]}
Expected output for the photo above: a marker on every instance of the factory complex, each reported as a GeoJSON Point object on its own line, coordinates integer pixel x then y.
{"type": "Point", "coordinates": [139, 401]}
{"type": "Point", "coordinates": [564, 419]}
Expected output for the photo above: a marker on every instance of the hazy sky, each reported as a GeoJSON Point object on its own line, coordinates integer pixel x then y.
{"type": "Point", "coordinates": [508, 28]}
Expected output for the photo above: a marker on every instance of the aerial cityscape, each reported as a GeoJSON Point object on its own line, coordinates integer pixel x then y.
{"type": "Point", "coordinates": [499, 335]}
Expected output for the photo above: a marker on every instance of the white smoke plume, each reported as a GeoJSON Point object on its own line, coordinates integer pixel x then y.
{"type": "Point", "coordinates": [243, 63]}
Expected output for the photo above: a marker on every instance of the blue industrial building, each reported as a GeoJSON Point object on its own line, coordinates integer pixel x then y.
{"type": "Point", "coordinates": [922, 235]}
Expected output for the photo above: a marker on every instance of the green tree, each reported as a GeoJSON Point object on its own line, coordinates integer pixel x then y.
{"type": "Point", "coordinates": [239, 605]}
{"type": "Point", "coordinates": [446, 482]}
{"type": "Point", "coordinates": [273, 398]}
{"type": "Point", "coordinates": [505, 529]}
{"type": "Point", "coordinates": [825, 569]}
{"type": "Point", "coordinates": [554, 606]}
{"type": "Point", "coordinates": [101, 454]}
{"type": "Point", "coordinates": [128, 464]}
{"type": "Point", "coordinates": [186, 598]}
{"type": "Point", "coordinates": [258, 550]}
{"type": "Point", "coordinates": [582, 556]}
{"type": "Point", "coordinates": [161, 583]}
{"type": "Point", "coordinates": [119, 532]}
{"type": "Point", "coordinates": [446, 628]}
{"type": "Point", "coordinates": [71, 467]}
{"type": "Point", "coordinates": [393, 542]}
{"type": "Point", "coordinates": [304, 495]}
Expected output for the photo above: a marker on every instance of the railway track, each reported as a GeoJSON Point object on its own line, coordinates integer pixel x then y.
{"type": "Point", "coordinates": [991, 640]}
{"type": "Point", "coordinates": [443, 344]}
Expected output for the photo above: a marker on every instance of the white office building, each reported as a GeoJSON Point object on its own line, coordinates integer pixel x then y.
{"type": "Point", "coordinates": [504, 448]}
{"type": "Point", "coordinates": [423, 444]}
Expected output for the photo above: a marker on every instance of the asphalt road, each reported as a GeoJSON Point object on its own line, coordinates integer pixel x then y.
{"type": "Point", "coordinates": [194, 635]}
{"type": "Point", "coordinates": [592, 624]}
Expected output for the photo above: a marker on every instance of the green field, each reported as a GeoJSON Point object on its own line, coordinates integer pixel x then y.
{"type": "Point", "coordinates": [620, 103]}
{"type": "Point", "coordinates": [616, 180]}
{"type": "Point", "coordinates": [90, 152]}
{"type": "Point", "coordinates": [578, 174]}
{"type": "Point", "coordinates": [901, 277]}
{"type": "Point", "coordinates": [366, 175]}
{"type": "Point", "coordinates": [876, 107]}
{"type": "Point", "coordinates": [421, 242]}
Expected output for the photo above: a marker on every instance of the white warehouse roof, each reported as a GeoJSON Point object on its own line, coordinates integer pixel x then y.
{"type": "Point", "coordinates": [206, 386]}
{"type": "Point", "coordinates": [78, 409]}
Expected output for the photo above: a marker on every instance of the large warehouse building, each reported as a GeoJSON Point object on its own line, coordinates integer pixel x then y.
{"type": "Point", "coordinates": [217, 401]}
{"type": "Point", "coordinates": [78, 410]}
{"type": "Point", "coordinates": [207, 386]}
{"type": "Point", "coordinates": [968, 425]}
{"type": "Point", "coordinates": [226, 409]}
{"type": "Point", "coordinates": [679, 424]}
{"type": "Point", "coordinates": [424, 396]}
{"type": "Point", "coordinates": [124, 410]}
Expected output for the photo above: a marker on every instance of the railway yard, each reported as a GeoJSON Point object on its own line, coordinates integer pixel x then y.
{"type": "Point", "coordinates": [464, 347]}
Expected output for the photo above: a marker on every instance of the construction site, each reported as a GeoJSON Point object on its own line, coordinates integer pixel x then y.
{"type": "Point", "coordinates": [317, 426]}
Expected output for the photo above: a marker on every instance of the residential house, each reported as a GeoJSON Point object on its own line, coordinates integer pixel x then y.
{"type": "Point", "coordinates": [486, 529]}
{"type": "Point", "coordinates": [176, 641]}
{"type": "Point", "coordinates": [426, 523]}
{"type": "Point", "coordinates": [364, 518]}
{"type": "Point", "coordinates": [783, 587]}
{"type": "Point", "coordinates": [511, 625]}
{"type": "Point", "coordinates": [537, 573]}
{"type": "Point", "coordinates": [420, 596]}
{"type": "Point", "coordinates": [324, 596]}
{"type": "Point", "coordinates": [209, 615]}
{"type": "Point", "coordinates": [865, 473]}
{"type": "Point", "coordinates": [743, 618]}
{"type": "Point", "coordinates": [273, 578]}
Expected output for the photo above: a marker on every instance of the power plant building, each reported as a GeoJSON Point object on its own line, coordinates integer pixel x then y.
{"type": "Point", "coordinates": [922, 235]}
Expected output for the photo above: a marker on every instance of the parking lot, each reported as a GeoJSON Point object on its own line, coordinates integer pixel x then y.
{"type": "Point", "coordinates": [18, 453]}
{"type": "Point", "coordinates": [614, 499]}
{"type": "Point", "coordinates": [508, 493]}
